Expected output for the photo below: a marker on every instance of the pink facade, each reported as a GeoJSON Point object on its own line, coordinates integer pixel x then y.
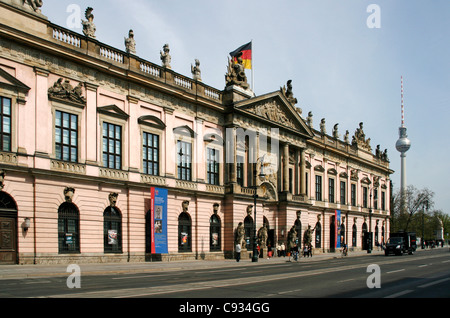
{"type": "Point", "coordinates": [96, 141]}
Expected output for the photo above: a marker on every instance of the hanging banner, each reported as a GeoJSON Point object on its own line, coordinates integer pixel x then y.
{"type": "Point", "coordinates": [338, 228]}
{"type": "Point", "coordinates": [159, 220]}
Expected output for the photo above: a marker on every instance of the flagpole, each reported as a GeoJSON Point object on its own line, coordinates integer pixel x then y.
{"type": "Point", "coordinates": [253, 79]}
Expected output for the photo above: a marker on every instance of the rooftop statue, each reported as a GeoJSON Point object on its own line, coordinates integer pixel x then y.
{"type": "Point", "coordinates": [359, 139]}
{"type": "Point", "coordinates": [35, 4]}
{"type": "Point", "coordinates": [130, 43]}
{"type": "Point", "coordinates": [196, 72]}
{"type": "Point", "coordinates": [165, 57]}
{"type": "Point", "coordinates": [236, 73]}
{"type": "Point", "coordinates": [89, 26]}
{"type": "Point", "coordinates": [289, 93]}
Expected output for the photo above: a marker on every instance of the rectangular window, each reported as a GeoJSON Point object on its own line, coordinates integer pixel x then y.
{"type": "Point", "coordinates": [343, 192]}
{"type": "Point", "coordinates": [112, 146]}
{"type": "Point", "coordinates": [383, 200]}
{"type": "Point", "coordinates": [5, 127]}
{"type": "Point", "coordinates": [353, 194]}
{"type": "Point", "coordinates": [240, 170]}
{"type": "Point", "coordinates": [66, 136]}
{"type": "Point", "coordinates": [184, 161]}
{"type": "Point", "coordinates": [375, 198]}
{"type": "Point", "coordinates": [212, 170]}
{"type": "Point", "coordinates": [364, 197]}
{"type": "Point", "coordinates": [319, 188]}
{"type": "Point", "coordinates": [291, 180]}
{"type": "Point", "coordinates": [150, 154]}
{"type": "Point", "coordinates": [331, 190]}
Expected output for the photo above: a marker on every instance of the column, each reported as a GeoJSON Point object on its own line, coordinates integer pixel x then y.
{"type": "Point", "coordinates": [286, 167]}
{"type": "Point", "coordinates": [302, 172]}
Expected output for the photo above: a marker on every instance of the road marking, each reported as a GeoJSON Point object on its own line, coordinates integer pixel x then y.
{"type": "Point", "coordinates": [445, 261]}
{"type": "Point", "coordinates": [399, 270]}
{"type": "Point", "coordinates": [400, 293]}
{"type": "Point", "coordinates": [423, 265]}
{"type": "Point", "coordinates": [434, 283]}
{"type": "Point", "coordinates": [347, 280]}
{"type": "Point", "coordinates": [289, 291]}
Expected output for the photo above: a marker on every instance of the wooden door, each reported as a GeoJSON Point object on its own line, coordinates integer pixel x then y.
{"type": "Point", "coordinates": [8, 241]}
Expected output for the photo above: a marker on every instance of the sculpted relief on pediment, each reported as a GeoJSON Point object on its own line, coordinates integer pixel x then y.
{"type": "Point", "coordinates": [273, 111]}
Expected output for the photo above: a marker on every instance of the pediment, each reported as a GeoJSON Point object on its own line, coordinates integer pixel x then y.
{"type": "Point", "coordinates": [10, 82]}
{"type": "Point", "coordinates": [275, 110]}
{"type": "Point", "coordinates": [152, 121]}
{"type": "Point", "coordinates": [113, 111]}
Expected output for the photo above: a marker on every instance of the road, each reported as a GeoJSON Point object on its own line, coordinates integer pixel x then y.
{"type": "Point", "coordinates": [422, 275]}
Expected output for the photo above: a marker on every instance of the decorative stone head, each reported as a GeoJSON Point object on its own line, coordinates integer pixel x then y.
{"type": "Point", "coordinates": [249, 210]}
{"type": "Point", "coordinates": [68, 194]}
{"type": "Point", "coordinates": [113, 199]}
{"type": "Point", "coordinates": [216, 208]}
{"type": "Point", "coordinates": [185, 206]}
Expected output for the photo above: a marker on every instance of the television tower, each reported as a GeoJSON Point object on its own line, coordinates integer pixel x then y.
{"type": "Point", "coordinates": [403, 145]}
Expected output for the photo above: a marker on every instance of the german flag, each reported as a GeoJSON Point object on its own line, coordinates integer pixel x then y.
{"type": "Point", "coordinates": [245, 52]}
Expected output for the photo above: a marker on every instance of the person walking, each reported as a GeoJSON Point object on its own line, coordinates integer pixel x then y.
{"type": "Point", "coordinates": [238, 252]}
{"type": "Point", "coordinates": [283, 250]}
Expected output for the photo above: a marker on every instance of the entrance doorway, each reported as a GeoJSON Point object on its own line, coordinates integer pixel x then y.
{"type": "Point", "coordinates": [8, 230]}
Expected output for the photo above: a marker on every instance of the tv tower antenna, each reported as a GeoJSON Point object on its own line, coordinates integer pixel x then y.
{"type": "Point", "coordinates": [403, 145]}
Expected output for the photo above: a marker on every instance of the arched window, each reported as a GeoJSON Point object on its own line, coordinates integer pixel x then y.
{"type": "Point", "coordinates": [112, 230]}
{"type": "Point", "coordinates": [354, 233]}
{"type": "Point", "coordinates": [376, 236]}
{"type": "Point", "coordinates": [184, 233]}
{"type": "Point", "coordinates": [298, 228]}
{"type": "Point", "coordinates": [215, 233]}
{"type": "Point", "coordinates": [68, 229]}
{"type": "Point", "coordinates": [318, 235]}
{"type": "Point", "coordinates": [342, 235]}
{"type": "Point", "coordinates": [249, 230]}
{"type": "Point", "coordinates": [332, 234]}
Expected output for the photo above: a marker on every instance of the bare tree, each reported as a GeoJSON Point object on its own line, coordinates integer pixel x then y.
{"type": "Point", "coordinates": [415, 200]}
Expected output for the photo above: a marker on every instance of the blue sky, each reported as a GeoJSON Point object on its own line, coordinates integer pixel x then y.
{"type": "Point", "coordinates": [341, 69]}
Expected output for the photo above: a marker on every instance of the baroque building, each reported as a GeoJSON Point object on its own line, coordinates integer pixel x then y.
{"type": "Point", "coordinates": [91, 135]}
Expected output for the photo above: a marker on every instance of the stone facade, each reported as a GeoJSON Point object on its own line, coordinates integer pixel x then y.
{"type": "Point", "coordinates": [62, 94]}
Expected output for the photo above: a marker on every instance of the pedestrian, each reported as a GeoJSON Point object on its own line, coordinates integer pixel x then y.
{"type": "Point", "coordinates": [310, 250]}
{"type": "Point", "coordinates": [305, 250]}
{"type": "Point", "coordinates": [295, 252]}
{"type": "Point", "coordinates": [238, 252]}
{"type": "Point", "coordinates": [283, 250]}
{"type": "Point", "coordinates": [278, 249]}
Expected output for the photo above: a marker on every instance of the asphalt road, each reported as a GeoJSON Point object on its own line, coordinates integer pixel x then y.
{"type": "Point", "coordinates": [423, 275]}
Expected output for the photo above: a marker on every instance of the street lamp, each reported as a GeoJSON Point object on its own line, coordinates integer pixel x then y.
{"type": "Point", "coordinates": [424, 203]}
{"type": "Point", "coordinates": [370, 237]}
{"type": "Point", "coordinates": [262, 177]}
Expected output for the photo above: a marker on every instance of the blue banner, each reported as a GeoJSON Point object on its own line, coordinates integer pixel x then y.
{"type": "Point", "coordinates": [159, 220]}
{"type": "Point", "coordinates": [338, 228]}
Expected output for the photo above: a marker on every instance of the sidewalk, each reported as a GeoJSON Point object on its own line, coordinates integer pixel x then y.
{"type": "Point", "coordinates": [40, 271]}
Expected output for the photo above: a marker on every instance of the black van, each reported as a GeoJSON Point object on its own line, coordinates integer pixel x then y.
{"type": "Point", "coordinates": [400, 243]}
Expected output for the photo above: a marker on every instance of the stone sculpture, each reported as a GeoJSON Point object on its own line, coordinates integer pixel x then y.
{"type": "Point", "coordinates": [165, 57]}
{"type": "Point", "coordinates": [89, 26]}
{"type": "Point", "coordinates": [239, 235]}
{"type": "Point", "coordinates": [63, 90]}
{"type": "Point", "coordinates": [289, 93]}
{"type": "Point", "coordinates": [236, 73]}
{"type": "Point", "coordinates": [35, 4]}
{"type": "Point", "coordinates": [130, 43]}
{"type": "Point", "coordinates": [196, 72]}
